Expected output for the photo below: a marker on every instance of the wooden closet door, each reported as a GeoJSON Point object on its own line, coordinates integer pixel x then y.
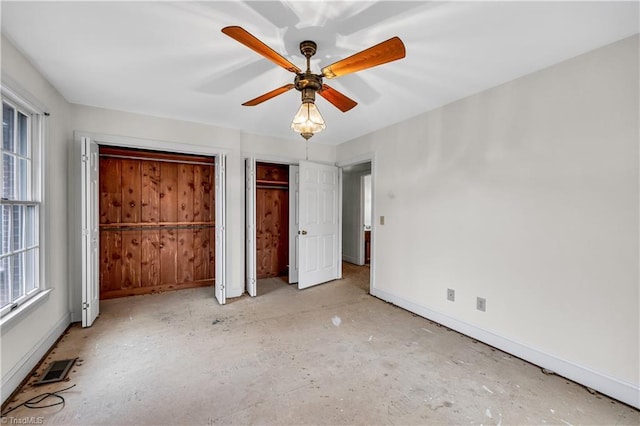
{"type": "Point", "coordinates": [272, 220]}
{"type": "Point", "coordinates": [156, 223]}
{"type": "Point", "coordinates": [272, 232]}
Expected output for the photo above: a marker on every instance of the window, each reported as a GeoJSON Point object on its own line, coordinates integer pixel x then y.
{"type": "Point", "coordinates": [20, 204]}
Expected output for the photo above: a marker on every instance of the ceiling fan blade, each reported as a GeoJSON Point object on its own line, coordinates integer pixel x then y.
{"type": "Point", "coordinates": [269, 95]}
{"type": "Point", "coordinates": [379, 54]}
{"type": "Point", "coordinates": [241, 35]}
{"type": "Point", "coordinates": [338, 100]}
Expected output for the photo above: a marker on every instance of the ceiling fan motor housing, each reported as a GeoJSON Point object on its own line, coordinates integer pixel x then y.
{"type": "Point", "coordinates": [308, 48]}
{"type": "Point", "coordinates": [307, 82]}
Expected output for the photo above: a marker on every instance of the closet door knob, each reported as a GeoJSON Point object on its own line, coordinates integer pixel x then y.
{"type": "Point", "coordinates": [303, 232]}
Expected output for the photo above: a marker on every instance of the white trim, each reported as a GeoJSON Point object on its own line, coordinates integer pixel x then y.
{"type": "Point", "coordinates": [358, 159]}
{"type": "Point", "coordinates": [626, 392]}
{"type": "Point", "coordinates": [12, 379]}
{"type": "Point", "coordinates": [221, 226]}
{"type": "Point", "coordinates": [266, 158]}
{"type": "Point", "coordinates": [350, 259]}
{"type": "Point", "coordinates": [150, 144]}
{"type": "Point", "coordinates": [250, 278]}
{"type": "Point", "coordinates": [12, 318]}
{"type": "Point", "coordinates": [294, 238]}
{"type": "Point", "coordinates": [361, 195]}
{"type": "Point", "coordinates": [339, 248]}
{"type": "Point", "coordinates": [14, 90]}
{"type": "Point", "coordinates": [22, 101]}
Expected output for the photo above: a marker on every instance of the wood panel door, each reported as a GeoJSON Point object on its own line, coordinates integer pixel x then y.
{"type": "Point", "coordinates": [272, 220]}
{"type": "Point", "coordinates": [157, 225]}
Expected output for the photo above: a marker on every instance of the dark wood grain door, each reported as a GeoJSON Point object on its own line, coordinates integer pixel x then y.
{"type": "Point", "coordinates": [157, 223]}
{"type": "Point", "coordinates": [272, 220]}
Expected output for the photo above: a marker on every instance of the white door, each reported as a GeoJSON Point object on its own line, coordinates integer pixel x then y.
{"type": "Point", "coordinates": [220, 194]}
{"type": "Point", "coordinates": [319, 228]}
{"type": "Point", "coordinates": [294, 193]}
{"type": "Point", "coordinates": [90, 234]}
{"type": "Point", "coordinates": [250, 231]}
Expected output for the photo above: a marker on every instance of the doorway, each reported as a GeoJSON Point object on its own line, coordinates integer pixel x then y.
{"type": "Point", "coordinates": [313, 223]}
{"type": "Point", "coordinates": [357, 214]}
{"type": "Point", "coordinates": [268, 221]}
{"type": "Point", "coordinates": [85, 250]}
{"type": "Point", "coordinates": [272, 220]}
{"type": "Point", "coordinates": [157, 227]}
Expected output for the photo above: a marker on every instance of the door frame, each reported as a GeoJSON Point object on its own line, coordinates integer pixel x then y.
{"type": "Point", "coordinates": [362, 257]}
{"type": "Point", "coordinates": [367, 157]}
{"type": "Point", "coordinates": [250, 160]}
{"type": "Point", "coordinates": [290, 161]}
{"type": "Point", "coordinates": [294, 223]}
{"type": "Point", "coordinates": [250, 243]}
{"type": "Point", "coordinates": [158, 145]}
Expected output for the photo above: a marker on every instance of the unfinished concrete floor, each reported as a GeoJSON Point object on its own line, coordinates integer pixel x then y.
{"type": "Point", "coordinates": [330, 354]}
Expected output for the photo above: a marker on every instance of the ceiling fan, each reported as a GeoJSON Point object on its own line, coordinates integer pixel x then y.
{"type": "Point", "coordinates": [308, 119]}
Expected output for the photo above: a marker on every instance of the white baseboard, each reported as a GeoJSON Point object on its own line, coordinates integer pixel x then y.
{"type": "Point", "coordinates": [350, 259]}
{"type": "Point", "coordinates": [20, 371]}
{"type": "Point", "coordinates": [628, 393]}
{"type": "Point", "coordinates": [76, 317]}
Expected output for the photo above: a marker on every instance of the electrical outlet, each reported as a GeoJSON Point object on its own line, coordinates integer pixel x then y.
{"type": "Point", "coordinates": [481, 304]}
{"type": "Point", "coordinates": [451, 295]}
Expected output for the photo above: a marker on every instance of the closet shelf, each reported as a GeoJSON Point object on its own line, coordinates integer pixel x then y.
{"type": "Point", "coordinates": [271, 182]}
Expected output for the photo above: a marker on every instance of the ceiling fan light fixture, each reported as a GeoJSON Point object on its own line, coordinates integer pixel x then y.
{"type": "Point", "coordinates": [308, 120]}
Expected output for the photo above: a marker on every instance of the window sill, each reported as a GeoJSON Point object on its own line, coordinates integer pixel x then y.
{"type": "Point", "coordinates": [14, 317]}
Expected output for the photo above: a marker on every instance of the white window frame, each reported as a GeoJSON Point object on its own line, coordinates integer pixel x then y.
{"type": "Point", "coordinates": [35, 175]}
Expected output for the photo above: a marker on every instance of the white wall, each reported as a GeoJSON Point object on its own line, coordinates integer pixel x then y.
{"type": "Point", "coordinates": [292, 151]}
{"type": "Point", "coordinates": [527, 195]}
{"type": "Point", "coordinates": [26, 340]}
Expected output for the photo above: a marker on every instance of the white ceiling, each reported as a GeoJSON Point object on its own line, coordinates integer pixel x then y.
{"type": "Point", "coordinates": [169, 59]}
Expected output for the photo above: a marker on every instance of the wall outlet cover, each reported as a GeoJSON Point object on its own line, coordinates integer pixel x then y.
{"type": "Point", "coordinates": [451, 295]}
{"type": "Point", "coordinates": [481, 304]}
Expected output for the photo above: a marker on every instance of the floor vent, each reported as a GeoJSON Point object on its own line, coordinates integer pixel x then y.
{"type": "Point", "coordinates": [56, 372]}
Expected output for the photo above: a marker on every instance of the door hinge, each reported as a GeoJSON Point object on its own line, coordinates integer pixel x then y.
{"type": "Point", "coordinates": [85, 158]}
{"type": "Point", "coordinates": [85, 305]}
